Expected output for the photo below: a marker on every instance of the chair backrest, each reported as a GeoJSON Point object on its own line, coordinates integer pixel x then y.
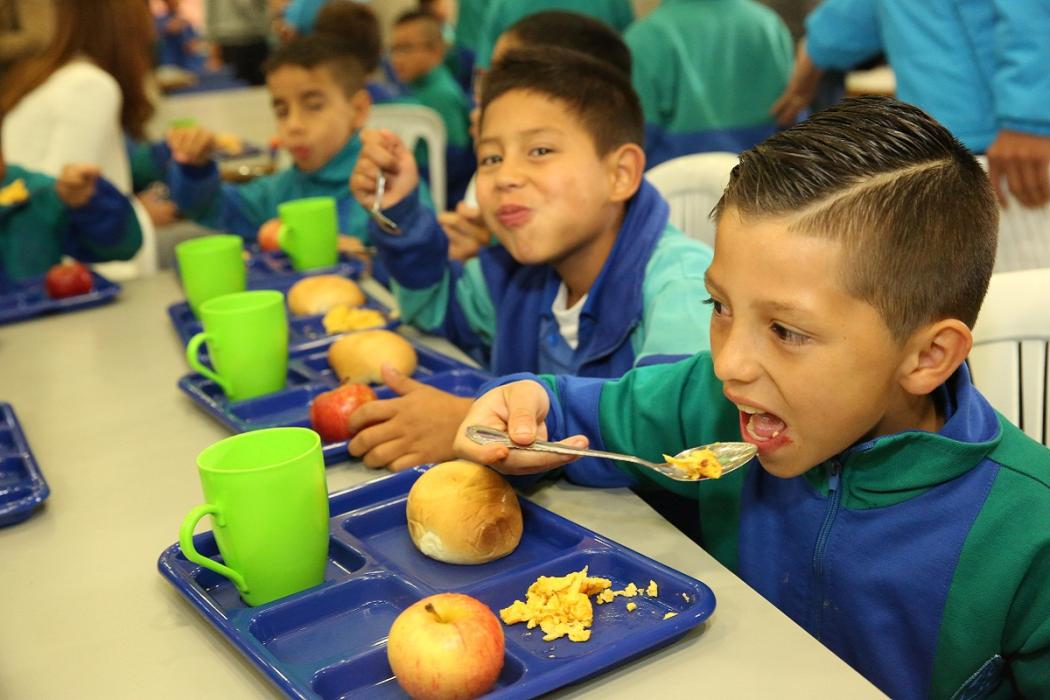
{"type": "Point", "coordinates": [1010, 355]}
{"type": "Point", "coordinates": [1024, 234]}
{"type": "Point", "coordinates": [412, 123]}
{"type": "Point", "coordinates": [692, 186]}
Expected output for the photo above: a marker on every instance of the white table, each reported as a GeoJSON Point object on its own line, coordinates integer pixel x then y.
{"type": "Point", "coordinates": [84, 612]}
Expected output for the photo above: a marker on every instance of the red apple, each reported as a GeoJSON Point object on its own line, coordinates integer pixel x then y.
{"type": "Point", "coordinates": [268, 235]}
{"type": "Point", "coordinates": [330, 411]}
{"type": "Point", "coordinates": [448, 646]}
{"type": "Point", "coordinates": [67, 280]}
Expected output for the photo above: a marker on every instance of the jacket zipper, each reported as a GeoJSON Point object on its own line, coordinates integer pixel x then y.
{"type": "Point", "coordinates": [834, 501]}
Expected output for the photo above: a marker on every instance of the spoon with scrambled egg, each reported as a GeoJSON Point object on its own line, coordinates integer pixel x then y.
{"type": "Point", "coordinates": [694, 464]}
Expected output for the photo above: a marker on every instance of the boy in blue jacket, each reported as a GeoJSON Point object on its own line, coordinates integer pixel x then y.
{"type": "Point", "coordinates": [79, 214]}
{"type": "Point", "coordinates": [590, 277]}
{"type": "Point", "coordinates": [320, 103]}
{"type": "Point", "coordinates": [891, 511]}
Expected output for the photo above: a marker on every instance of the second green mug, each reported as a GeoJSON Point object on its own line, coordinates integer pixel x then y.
{"type": "Point", "coordinates": [247, 337]}
{"type": "Point", "coordinates": [309, 232]}
{"type": "Point", "coordinates": [266, 494]}
{"type": "Point", "coordinates": [211, 266]}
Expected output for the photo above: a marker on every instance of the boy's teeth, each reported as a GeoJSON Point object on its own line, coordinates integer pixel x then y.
{"type": "Point", "coordinates": [748, 409]}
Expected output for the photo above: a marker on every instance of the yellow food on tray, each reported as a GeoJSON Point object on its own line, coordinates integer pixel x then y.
{"type": "Point", "coordinates": [341, 319]}
{"type": "Point", "coordinates": [14, 193]}
{"type": "Point", "coordinates": [702, 464]}
{"type": "Point", "coordinates": [558, 605]}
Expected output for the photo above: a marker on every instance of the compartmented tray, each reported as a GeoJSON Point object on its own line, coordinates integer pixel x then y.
{"type": "Point", "coordinates": [291, 407]}
{"type": "Point", "coordinates": [306, 334]}
{"type": "Point", "coordinates": [329, 641]}
{"type": "Point", "coordinates": [273, 269]}
{"type": "Point", "coordinates": [314, 364]}
{"type": "Point", "coordinates": [22, 485]}
{"type": "Point", "coordinates": [26, 298]}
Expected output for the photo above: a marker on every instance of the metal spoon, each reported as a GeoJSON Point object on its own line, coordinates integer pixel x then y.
{"type": "Point", "coordinates": [383, 221]}
{"type": "Point", "coordinates": [731, 455]}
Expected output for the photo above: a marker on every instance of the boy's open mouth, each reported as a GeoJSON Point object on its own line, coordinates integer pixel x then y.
{"type": "Point", "coordinates": [758, 426]}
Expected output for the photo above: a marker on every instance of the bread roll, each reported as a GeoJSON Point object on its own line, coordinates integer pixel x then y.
{"type": "Point", "coordinates": [463, 513]}
{"type": "Point", "coordinates": [318, 294]}
{"type": "Point", "coordinates": [358, 357]}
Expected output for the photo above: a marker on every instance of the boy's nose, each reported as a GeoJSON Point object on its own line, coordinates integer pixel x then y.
{"type": "Point", "coordinates": [734, 356]}
{"type": "Point", "coordinates": [508, 175]}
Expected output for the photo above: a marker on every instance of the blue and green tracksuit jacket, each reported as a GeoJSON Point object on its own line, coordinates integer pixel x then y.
{"type": "Point", "coordinates": [921, 559]}
{"type": "Point", "coordinates": [977, 66]}
{"type": "Point", "coordinates": [645, 304]}
{"type": "Point", "coordinates": [707, 73]}
{"type": "Point", "coordinates": [37, 232]}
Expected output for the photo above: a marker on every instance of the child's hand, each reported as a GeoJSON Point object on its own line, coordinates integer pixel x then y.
{"type": "Point", "coordinates": [415, 428]}
{"type": "Point", "coordinates": [191, 145]}
{"type": "Point", "coordinates": [467, 233]}
{"type": "Point", "coordinates": [76, 184]}
{"type": "Point", "coordinates": [382, 149]}
{"type": "Point", "coordinates": [519, 409]}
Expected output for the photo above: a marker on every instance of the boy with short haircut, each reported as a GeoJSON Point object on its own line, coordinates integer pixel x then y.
{"type": "Point", "coordinates": [357, 26]}
{"type": "Point", "coordinates": [79, 214]}
{"type": "Point", "coordinates": [590, 278]}
{"type": "Point", "coordinates": [320, 103]}
{"type": "Point", "coordinates": [893, 514]}
{"type": "Point", "coordinates": [417, 54]}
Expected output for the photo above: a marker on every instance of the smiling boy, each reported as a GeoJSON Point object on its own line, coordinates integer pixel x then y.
{"type": "Point", "coordinates": [320, 103]}
{"type": "Point", "coordinates": [590, 277]}
{"type": "Point", "coordinates": [892, 513]}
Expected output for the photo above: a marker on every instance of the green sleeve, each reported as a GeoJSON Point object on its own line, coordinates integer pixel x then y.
{"type": "Point", "coordinates": [428, 308]}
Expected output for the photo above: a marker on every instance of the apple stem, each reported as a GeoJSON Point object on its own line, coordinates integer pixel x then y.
{"type": "Point", "coordinates": [429, 607]}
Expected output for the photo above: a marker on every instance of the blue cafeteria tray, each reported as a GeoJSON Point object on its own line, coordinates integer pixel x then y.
{"type": "Point", "coordinates": [22, 485]}
{"type": "Point", "coordinates": [291, 407]}
{"type": "Point", "coordinates": [306, 334]}
{"type": "Point", "coordinates": [26, 298]}
{"type": "Point", "coordinates": [314, 364]}
{"type": "Point", "coordinates": [273, 269]}
{"type": "Point", "coordinates": [329, 642]}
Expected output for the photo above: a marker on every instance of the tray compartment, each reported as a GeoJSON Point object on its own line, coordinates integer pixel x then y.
{"type": "Point", "coordinates": [26, 298]}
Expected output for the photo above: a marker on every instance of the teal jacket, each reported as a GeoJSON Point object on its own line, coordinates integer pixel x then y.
{"type": "Point", "coordinates": [501, 14]}
{"type": "Point", "coordinates": [921, 559]}
{"type": "Point", "coordinates": [977, 66]}
{"type": "Point", "coordinates": [37, 232]}
{"type": "Point", "coordinates": [201, 195]}
{"type": "Point", "coordinates": [707, 73]}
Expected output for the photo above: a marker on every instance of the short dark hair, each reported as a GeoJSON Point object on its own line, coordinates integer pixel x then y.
{"type": "Point", "coordinates": [316, 50]}
{"type": "Point", "coordinates": [600, 95]}
{"type": "Point", "coordinates": [431, 24]}
{"type": "Point", "coordinates": [912, 207]}
{"type": "Point", "coordinates": [571, 30]}
{"type": "Point", "coordinates": [355, 25]}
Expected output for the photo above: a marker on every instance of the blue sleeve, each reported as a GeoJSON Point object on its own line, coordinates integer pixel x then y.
{"type": "Point", "coordinates": [843, 33]}
{"type": "Point", "coordinates": [1022, 71]}
{"type": "Point", "coordinates": [200, 194]}
{"type": "Point", "coordinates": [105, 228]}
{"type": "Point", "coordinates": [428, 286]}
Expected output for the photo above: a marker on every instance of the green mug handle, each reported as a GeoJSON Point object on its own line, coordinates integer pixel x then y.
{"type": "Point", "coordinates": [283, 231]}
{"type": "Point", "coordinates": [191, 553]}
{"type": "Point", "coordinates": [192, 349]}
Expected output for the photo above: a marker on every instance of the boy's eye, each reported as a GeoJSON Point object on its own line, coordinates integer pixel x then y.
{"type": "Point", "coordinates": [716, 306]}
{"type": "Point", "coordinates": [280, 112]}
{"type": "Point", "coordinates": [541, 151]}
{"type": "Point", "coordinates": [491, 159]}
{"type": "Point", "coordinates": [315, 105]}
{"type": "Point", "coordinates": [787, 335]}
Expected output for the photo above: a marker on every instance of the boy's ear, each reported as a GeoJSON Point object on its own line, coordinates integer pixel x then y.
{"type": "Point", "coordinates": [626, 167]}
{"type": "Point", "coordinates": [933, 353]}
{"type": "Point", "coordinates": [362, 104]}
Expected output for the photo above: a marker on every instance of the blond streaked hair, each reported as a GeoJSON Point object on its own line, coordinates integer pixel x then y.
{"type": "Point", "coordinates": [912, 207]}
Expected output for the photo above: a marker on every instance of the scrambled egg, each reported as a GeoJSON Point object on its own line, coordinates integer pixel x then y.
{"type": "Point", "coordinates": [559, 605]}
{"type": "Point", "coordinates": [14, 193]}
{"type": "Point", "coordinates": [630, 591]}
{"type": "Point", "coordinates": [342, 318]}
{"type": "Point", "coordinates": [631, 607]}
{"type": "Point", "coordinates": [699, 464]}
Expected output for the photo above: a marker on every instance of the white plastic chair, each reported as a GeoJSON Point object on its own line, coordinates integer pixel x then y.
{"type": "Point", "coordinates": [412, 123]}
{"type": "Point", "coordinates": [692, 186]}
{"type": "Point", "coordinates": [1024, 234]}
{"type": "Point", "coordinates": [1009, 360]}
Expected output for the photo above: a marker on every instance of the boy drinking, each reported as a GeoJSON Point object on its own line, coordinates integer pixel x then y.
{"type": "Point", "coordinates": [590, 277]}
{"type": "Point", "coordinates": [320, 103]}
{"type": "Point", "coordinates": [891, 512]}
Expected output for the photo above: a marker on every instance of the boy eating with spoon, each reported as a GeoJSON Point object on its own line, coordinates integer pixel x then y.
{"type": "Point", "coordinates": [892, 512]}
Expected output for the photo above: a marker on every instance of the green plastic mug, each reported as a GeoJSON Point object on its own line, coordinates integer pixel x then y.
{"type": "Point", "coordinates": [247, 337]}
{"type": "Point", "coordinates": [268, 500]}
{"type": "Point", "coordinates": [211, 266]}
{"type": "Point", "coordinates": [309, 232]}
